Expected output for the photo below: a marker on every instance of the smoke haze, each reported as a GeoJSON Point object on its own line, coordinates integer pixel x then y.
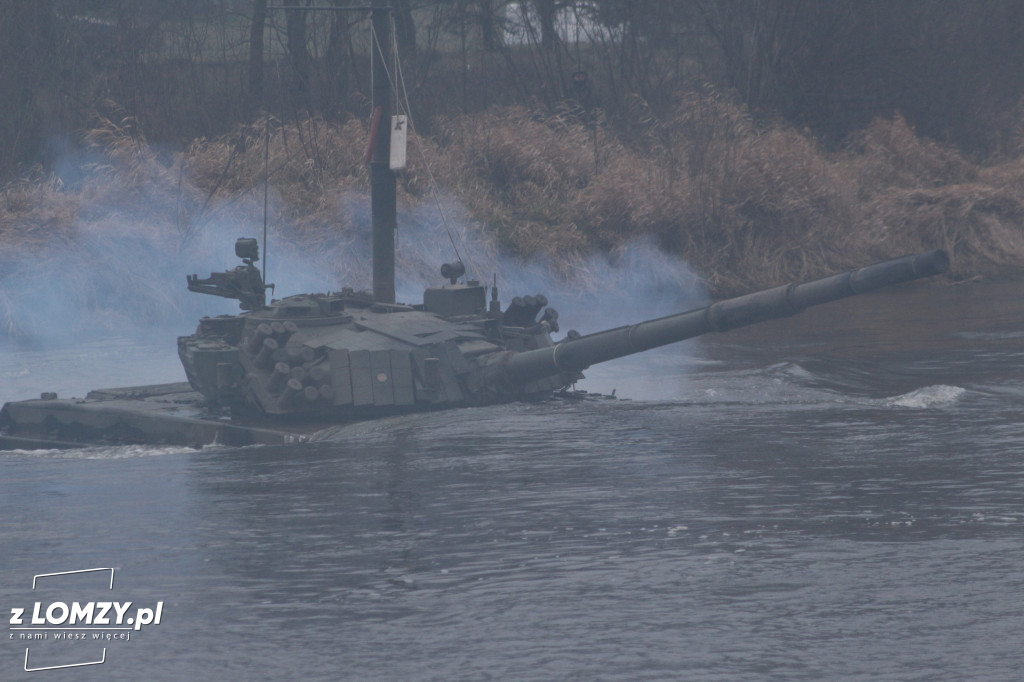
{"type": "Point", "coordinates": [118, 271]}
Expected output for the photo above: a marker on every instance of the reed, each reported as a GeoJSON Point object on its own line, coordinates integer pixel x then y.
{"type": "Point", "coordinates": [747, 205]}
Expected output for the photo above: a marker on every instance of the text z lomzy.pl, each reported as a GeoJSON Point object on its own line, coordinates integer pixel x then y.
{"type": "Point", "coordinates": [60, 614]}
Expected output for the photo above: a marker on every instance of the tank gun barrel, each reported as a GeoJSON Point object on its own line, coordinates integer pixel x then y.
{"type": "Point", "coordinates": [575, 355]}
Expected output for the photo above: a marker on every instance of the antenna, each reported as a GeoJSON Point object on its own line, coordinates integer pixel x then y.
{"type": "Point", "coordinates": [266, 182]}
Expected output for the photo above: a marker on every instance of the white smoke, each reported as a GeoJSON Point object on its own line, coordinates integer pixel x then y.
{"type": "Point", "coordinates": [122, 272]}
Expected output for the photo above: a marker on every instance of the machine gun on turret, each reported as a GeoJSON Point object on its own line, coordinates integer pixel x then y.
{"type": "Point", "coordinates": [244, 283]}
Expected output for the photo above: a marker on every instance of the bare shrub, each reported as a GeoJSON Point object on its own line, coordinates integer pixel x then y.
{"type": "Point", "coordinates": [749, 205]}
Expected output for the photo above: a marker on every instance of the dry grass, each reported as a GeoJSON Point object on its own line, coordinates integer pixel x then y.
{"type": "Point", "coordinates": [749, 206]}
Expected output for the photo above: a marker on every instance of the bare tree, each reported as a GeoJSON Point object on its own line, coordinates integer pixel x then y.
{"type": "Point", "coordinates": [298, 55]}
{"type": "Point", "coordinates": [405, 30]}
{"type": "Point", "coordinates": [546, 12]}
{"type": "Point", "coordinates": [338, 56]}
{"type": "Point", "coordinates": [28, 42]}
{"type": "Point", "coordinates": [254, 99]}
{"type": "Point", "coordinates": [490, 29]}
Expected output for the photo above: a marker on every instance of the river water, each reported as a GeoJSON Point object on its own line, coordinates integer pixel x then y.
{"type": "Point", "coordinates": [836, 496]}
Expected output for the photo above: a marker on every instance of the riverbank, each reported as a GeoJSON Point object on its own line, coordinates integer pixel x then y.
{"type": "Point", "coordinates": [746, 206]}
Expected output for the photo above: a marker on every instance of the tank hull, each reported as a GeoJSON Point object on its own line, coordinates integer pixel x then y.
{"type": "Point", "coordinates": [161, 414]}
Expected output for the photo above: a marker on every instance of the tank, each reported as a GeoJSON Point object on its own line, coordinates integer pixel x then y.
{"type": "Point", "coordinates": [344, 356]}
{"type": "Point", "coordinates": [287, 370]}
